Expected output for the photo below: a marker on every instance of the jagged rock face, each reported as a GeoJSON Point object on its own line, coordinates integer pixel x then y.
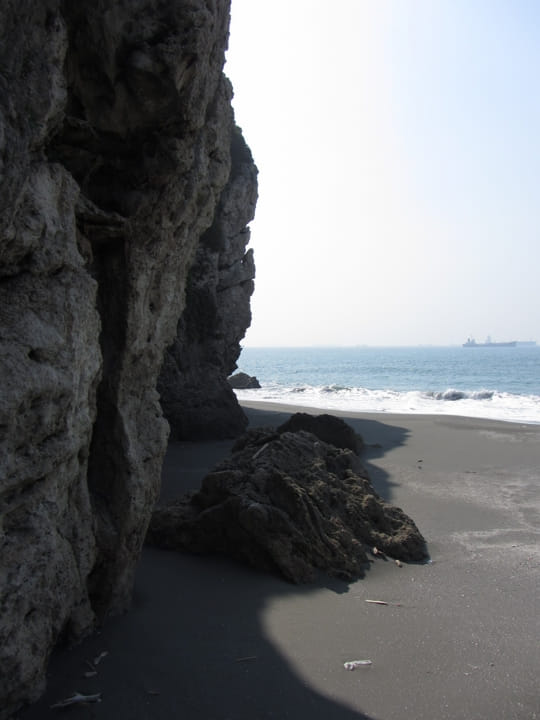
{"type": "Point", "coordinates": [197, 400]}
{"type": "Point", "coordinates": [115, 136]}
{"type": "Point", "coordinates": [292, 503]}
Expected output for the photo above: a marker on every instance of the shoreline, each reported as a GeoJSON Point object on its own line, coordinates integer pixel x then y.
{"type": "Point", "coordinates": [207, 639]}
{"type": "Point", "coordinates": [284, 407]}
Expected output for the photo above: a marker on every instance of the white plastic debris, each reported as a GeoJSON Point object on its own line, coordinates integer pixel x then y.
{"type": "Point", "coordinates": [353, 664]}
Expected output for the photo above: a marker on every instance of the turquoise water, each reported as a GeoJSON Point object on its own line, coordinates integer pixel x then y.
{"type": "Point", "coordinates": [500, 383]}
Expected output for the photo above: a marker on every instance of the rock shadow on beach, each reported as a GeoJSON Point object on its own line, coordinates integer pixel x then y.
{"type": "Point", "coordinates": [194, 646]}
{"type": "Point", "coordinates": [195, 643]}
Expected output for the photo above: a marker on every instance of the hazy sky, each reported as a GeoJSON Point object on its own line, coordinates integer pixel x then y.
{"type": "Point", "coordinates": [398, 147]}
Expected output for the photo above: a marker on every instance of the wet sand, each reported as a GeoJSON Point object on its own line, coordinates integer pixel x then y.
{"type": "Point", "coordinates": [207, 639]}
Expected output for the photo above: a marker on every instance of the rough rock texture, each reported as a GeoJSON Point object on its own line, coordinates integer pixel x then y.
{"type": "Point", "coordinates": [115, 147]}
{"type": "Point", "coordinates": [243, 381]}
{"type": "Point", "coordinates": [329, 428]}
{"type": "Point", "coordinates": [292, 503]}
{"type": "Point", "coordinates": [197, 400]}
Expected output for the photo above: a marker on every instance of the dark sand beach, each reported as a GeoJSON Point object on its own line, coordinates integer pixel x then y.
{"type": "Point", "coordinates": [207, 639]}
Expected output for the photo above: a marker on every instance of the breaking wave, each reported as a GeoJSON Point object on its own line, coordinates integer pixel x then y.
{"type": "Point", "coordinates": [483, 403]}
{"type": "Point", "coordinates": [452, 394]}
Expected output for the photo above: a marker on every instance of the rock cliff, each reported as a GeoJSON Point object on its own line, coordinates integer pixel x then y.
{"type": "Point", "coordinates": [116, 130]}
{"type": "Point", "coordinates": [196, 397]}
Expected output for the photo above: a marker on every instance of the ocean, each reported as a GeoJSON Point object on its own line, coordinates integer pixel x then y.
{"type": "Point", "coordinates": [497, 383]}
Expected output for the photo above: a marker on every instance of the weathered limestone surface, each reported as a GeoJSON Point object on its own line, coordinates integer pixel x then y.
{"type": "Point", "coordinates": [197, 400]}
{"type": "Point", "coordinates": [289, 502]}
{"type": "Point", "coordinates": [115, 146]}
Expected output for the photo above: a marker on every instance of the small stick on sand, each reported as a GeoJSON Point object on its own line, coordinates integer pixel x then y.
{"type": "Point", "coordinates": [100, 657]}
{"type": "Point", "coordinates": [76, 699]}
{"type": "Point", "coordinates": [383, 602]}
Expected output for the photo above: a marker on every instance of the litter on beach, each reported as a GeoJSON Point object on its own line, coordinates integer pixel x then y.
{"type": "Point", "coordinates": [353, 664]}
{"type": "Point", "coordinates": [92, 665]}
{"type": "Point", "coordinates": [77, 698]}
{"type": "Point", "coordinates": [100, 657]}
{"type": "Point", "coordinates": [383, 602]}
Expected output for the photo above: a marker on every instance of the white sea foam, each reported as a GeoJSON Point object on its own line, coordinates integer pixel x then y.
{"type": "Point", "coordinates": [475, 403]}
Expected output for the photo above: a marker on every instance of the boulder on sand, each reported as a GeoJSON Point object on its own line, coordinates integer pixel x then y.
{"type": "Point", "coordinates": [243, 381]}
{"type": "Point", "coordinates": [329, 428]}
{"type": "Point", "coordinates": [291, 503]}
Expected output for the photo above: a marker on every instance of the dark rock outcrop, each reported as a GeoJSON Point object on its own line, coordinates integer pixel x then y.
{"type": "Point", "coordinates": [243, 381]}
{"type": "Point", "coordinates": [115, 148]}
{"type": "Point", "coordinates": [329, 428]}
{"type": "Point", "coordinates": [291, 503]}
{"type": "Point", "coordinates": [197, 400]}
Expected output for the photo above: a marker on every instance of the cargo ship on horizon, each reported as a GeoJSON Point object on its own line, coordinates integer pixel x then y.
{"type": "Point", "coordinates": [471, 342]}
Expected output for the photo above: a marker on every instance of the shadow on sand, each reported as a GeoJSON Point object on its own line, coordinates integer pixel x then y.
{"type": "Point", "coordinates": [195, 645]}
{"type": "Point", "coordinates": [379, 439]}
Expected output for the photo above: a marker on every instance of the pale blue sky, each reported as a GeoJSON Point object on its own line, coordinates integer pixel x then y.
{"type": "Point", "coordinates": [398, 146]}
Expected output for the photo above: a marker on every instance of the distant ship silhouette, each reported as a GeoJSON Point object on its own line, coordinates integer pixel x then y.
{"type": "Point", "coordinates": [471, 342]}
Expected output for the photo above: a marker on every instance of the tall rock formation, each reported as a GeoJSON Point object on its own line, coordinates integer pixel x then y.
{"type": "Point", "coordinates": [196, 397]}
{"type": "Point", "coordinates": [115, 147]}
